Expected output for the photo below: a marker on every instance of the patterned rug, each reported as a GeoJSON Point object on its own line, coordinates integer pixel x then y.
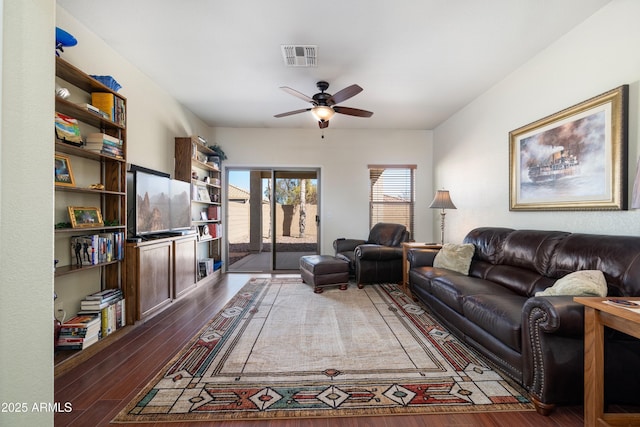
{"type": "Point", "coordinates": [277, 350]}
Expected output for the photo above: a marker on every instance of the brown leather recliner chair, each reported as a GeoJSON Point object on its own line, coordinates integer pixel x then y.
{"type": "Point", "coordinates": [377, 259]}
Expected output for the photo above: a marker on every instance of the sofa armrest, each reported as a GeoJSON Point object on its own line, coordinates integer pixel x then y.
{"type": "Point", "coordinates": [378, 252]}
{"type": "Point", "coordinates": [421, 257]}
{"type": "Point", "coordinates": [346, 245]}
{"type": "Point", "coordinates": [553, 348]}
{"type": "Point", "coordinates": [554, 315]}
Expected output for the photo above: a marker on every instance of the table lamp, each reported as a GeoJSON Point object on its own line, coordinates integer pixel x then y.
{"type": "Point", "coordinates": [442, 200]}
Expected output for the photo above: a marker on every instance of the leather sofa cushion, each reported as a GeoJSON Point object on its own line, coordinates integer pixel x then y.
{"type": "Point", "coordinates": [519, 280]}
{"type": "Point", "coordinates": [499, 315]}
{"type": "Point", "coordinates": [452, 288]}
{"type": "Point", "coordinates": [531, 249]}
{"type": "Point", "coordinates": [488, 242]}
{"type": "Point", "coordinates": [616, 256]}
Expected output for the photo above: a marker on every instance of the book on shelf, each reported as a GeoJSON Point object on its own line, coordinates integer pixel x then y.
{"type": "Point", "coordinates": [205, 267]}
{"type": "Point", "coordinates": [67, 129]}
{"type": "Point", "coordinates": [98, 305]}
{"type": "Point", "coordinates": [104, 144]}
{"type": "Point", "coordinates": [103, 295]}
{"type": "Point", "coordinates": [112, 105]}
{"type": "Point", "coordinates": [104, 138]}
{"type": "Point", "coordinates": [89, 107]}
{"type": "Point", "coordinates": [111, 312]}
{"type": "Point", "coordinates": [79, 332]}
{"type": "Point", "coordinates": [213, 212]}
{"type": "Point", "coordinates": [215, 230]}
{"type": "Point", "coordinates": [93, 249]}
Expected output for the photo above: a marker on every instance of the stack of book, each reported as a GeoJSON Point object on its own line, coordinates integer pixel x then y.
{"type": "Point", "coordinates": [104, 144]}
{"type": "Point", "coordinates": [79, 332]}
{"type": "Point", "coordinates": [109, 306]}
{"type": "Point", "coordinates": [93, 249]}
{"type": "Point", "coordinates": [112, 105]}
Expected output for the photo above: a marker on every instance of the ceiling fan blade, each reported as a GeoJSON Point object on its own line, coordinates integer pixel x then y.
{"type": "Point", "coordinates": [352, 111]}
{"type": "Point", "coordinates": [290, 113]}
{"type": "Point", "coordinates": [297, 94]}
{"type": "Point", "coordinates": [323, 124]}
{"type": "Point", "coordinates": [344, 94]}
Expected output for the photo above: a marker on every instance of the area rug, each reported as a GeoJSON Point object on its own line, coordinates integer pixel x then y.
{"type": "Point", "coordinates": [277, 350]}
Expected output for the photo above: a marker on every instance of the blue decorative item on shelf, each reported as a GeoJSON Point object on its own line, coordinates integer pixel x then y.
{"type": "Point", "coordinates": [64, 39]}
{"type": "Point", "coordinates": [108, 81]}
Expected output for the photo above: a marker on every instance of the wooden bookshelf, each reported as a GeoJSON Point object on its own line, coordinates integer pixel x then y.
{"type": "Point", "coordinates": [199, 165]}
{"type": "Point", "coordinates": [92, 168]}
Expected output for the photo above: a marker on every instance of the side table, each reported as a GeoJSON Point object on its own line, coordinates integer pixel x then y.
{"type": "Point", "coordinates": [405, 264]}
{"type": "Point", "coordinates": [597, 315]}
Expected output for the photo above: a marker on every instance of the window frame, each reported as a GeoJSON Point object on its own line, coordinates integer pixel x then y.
{"type": "Point", "coordinates": [401, 184]}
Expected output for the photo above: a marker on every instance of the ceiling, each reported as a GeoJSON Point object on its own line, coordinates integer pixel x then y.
{"type": "Point", "coordinates": [418, 61]}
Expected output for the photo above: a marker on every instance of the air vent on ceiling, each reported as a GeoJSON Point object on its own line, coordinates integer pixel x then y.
{"type": "Point", "coordinates": [300, 55]}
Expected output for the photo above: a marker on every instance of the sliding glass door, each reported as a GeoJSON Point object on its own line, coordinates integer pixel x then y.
{"type": "Point", "coordinates": [272, 218]}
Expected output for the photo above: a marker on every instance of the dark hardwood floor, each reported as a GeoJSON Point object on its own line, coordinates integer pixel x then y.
{"type": "Point", "coordinates": [101, 386]}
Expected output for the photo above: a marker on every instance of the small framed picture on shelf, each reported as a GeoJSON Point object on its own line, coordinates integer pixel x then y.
{"type": "Point", "coordinates": [62, 173]}
{"type": "Point", "coordinates": [204, 232]}
{"type": "Point", "coordinates": [203, 216]}
{"type": "Point", "coordinates": [203, 194]}
{"type": "Point", "coordinates": [85, 217]}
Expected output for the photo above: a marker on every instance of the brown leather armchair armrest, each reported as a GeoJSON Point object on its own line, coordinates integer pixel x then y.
{"type": "Point", "coordinates": [378, 252]}
{"type": "Point", "coordinates": [346, 245]}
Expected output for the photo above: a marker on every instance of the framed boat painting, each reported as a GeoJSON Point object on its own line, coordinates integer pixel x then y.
{"type": "Point", "coordinates": [575, 159]}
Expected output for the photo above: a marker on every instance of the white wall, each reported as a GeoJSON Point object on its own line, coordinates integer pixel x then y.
{"type": "Point", "coordinates": [343, 156]}
{"type": "Point", "coordinates": [26, 220]}
{"type": "Point", "coordinates": [471, 149]}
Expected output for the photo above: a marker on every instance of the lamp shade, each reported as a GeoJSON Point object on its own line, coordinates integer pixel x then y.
{"type": "Point", "coordinates": [322, 112]}
{"type": "Point", "coordinates": [442, 200]}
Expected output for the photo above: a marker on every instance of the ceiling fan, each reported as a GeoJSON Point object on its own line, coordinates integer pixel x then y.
{"type": "Point", "coordinates": [324, 104]}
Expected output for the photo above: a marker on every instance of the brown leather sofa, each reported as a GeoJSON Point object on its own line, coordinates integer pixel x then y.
{"type": "Point", "coordinates": [377, 259]}
{"type": "Point", "coordinates": [537, 341]}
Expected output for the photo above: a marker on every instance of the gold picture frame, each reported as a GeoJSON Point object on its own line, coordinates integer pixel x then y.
{"type": "Point", "coordinates": [575, 159]}
{"type": "Point", "coordinates": [85, 217]}
{"type": "Point", "coordinates": [62, 172]}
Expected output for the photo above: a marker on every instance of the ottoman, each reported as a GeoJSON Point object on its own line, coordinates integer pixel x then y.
{"type": "Point", "coordinates": [321, 271]}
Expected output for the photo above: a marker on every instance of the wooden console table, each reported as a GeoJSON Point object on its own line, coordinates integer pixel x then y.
{"type": "Point", "coordinates": [405, 264]}
{"type": "Point", "coordinates": [597, 315]}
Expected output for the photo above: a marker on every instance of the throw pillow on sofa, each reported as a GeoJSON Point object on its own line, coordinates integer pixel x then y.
{"type": "Point", "coordinates": [588, 283]}
{"type": "Point", "coordinates": [455, 257]}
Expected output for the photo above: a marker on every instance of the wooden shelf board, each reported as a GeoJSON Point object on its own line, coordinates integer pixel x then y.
{"type": "Point", "coordinates": [70, 269]}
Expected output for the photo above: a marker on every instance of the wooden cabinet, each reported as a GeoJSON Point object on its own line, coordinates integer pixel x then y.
{"type": "Point", "coordinates": [198, 164]}
{"type": "Point", "coordinates": [91, 181]}
{"type": "Point", "coordinates": [158, 272]}
{"type": "Point", "coordinates": [184, 265]}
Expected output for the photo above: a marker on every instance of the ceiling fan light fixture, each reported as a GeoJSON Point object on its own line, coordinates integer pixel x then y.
{"type": "Point", "coordinates": [322, 112]}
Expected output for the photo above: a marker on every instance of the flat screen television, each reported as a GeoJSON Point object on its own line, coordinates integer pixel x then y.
{"type": "Point", "coordinates": [157, 203]}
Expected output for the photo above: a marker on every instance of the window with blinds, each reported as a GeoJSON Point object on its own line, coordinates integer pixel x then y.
{"type": "Point", "coordinates": [392, 194]}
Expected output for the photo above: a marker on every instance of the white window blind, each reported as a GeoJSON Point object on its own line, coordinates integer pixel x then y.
{"type": "Point", "coordinates": [392, 194]}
